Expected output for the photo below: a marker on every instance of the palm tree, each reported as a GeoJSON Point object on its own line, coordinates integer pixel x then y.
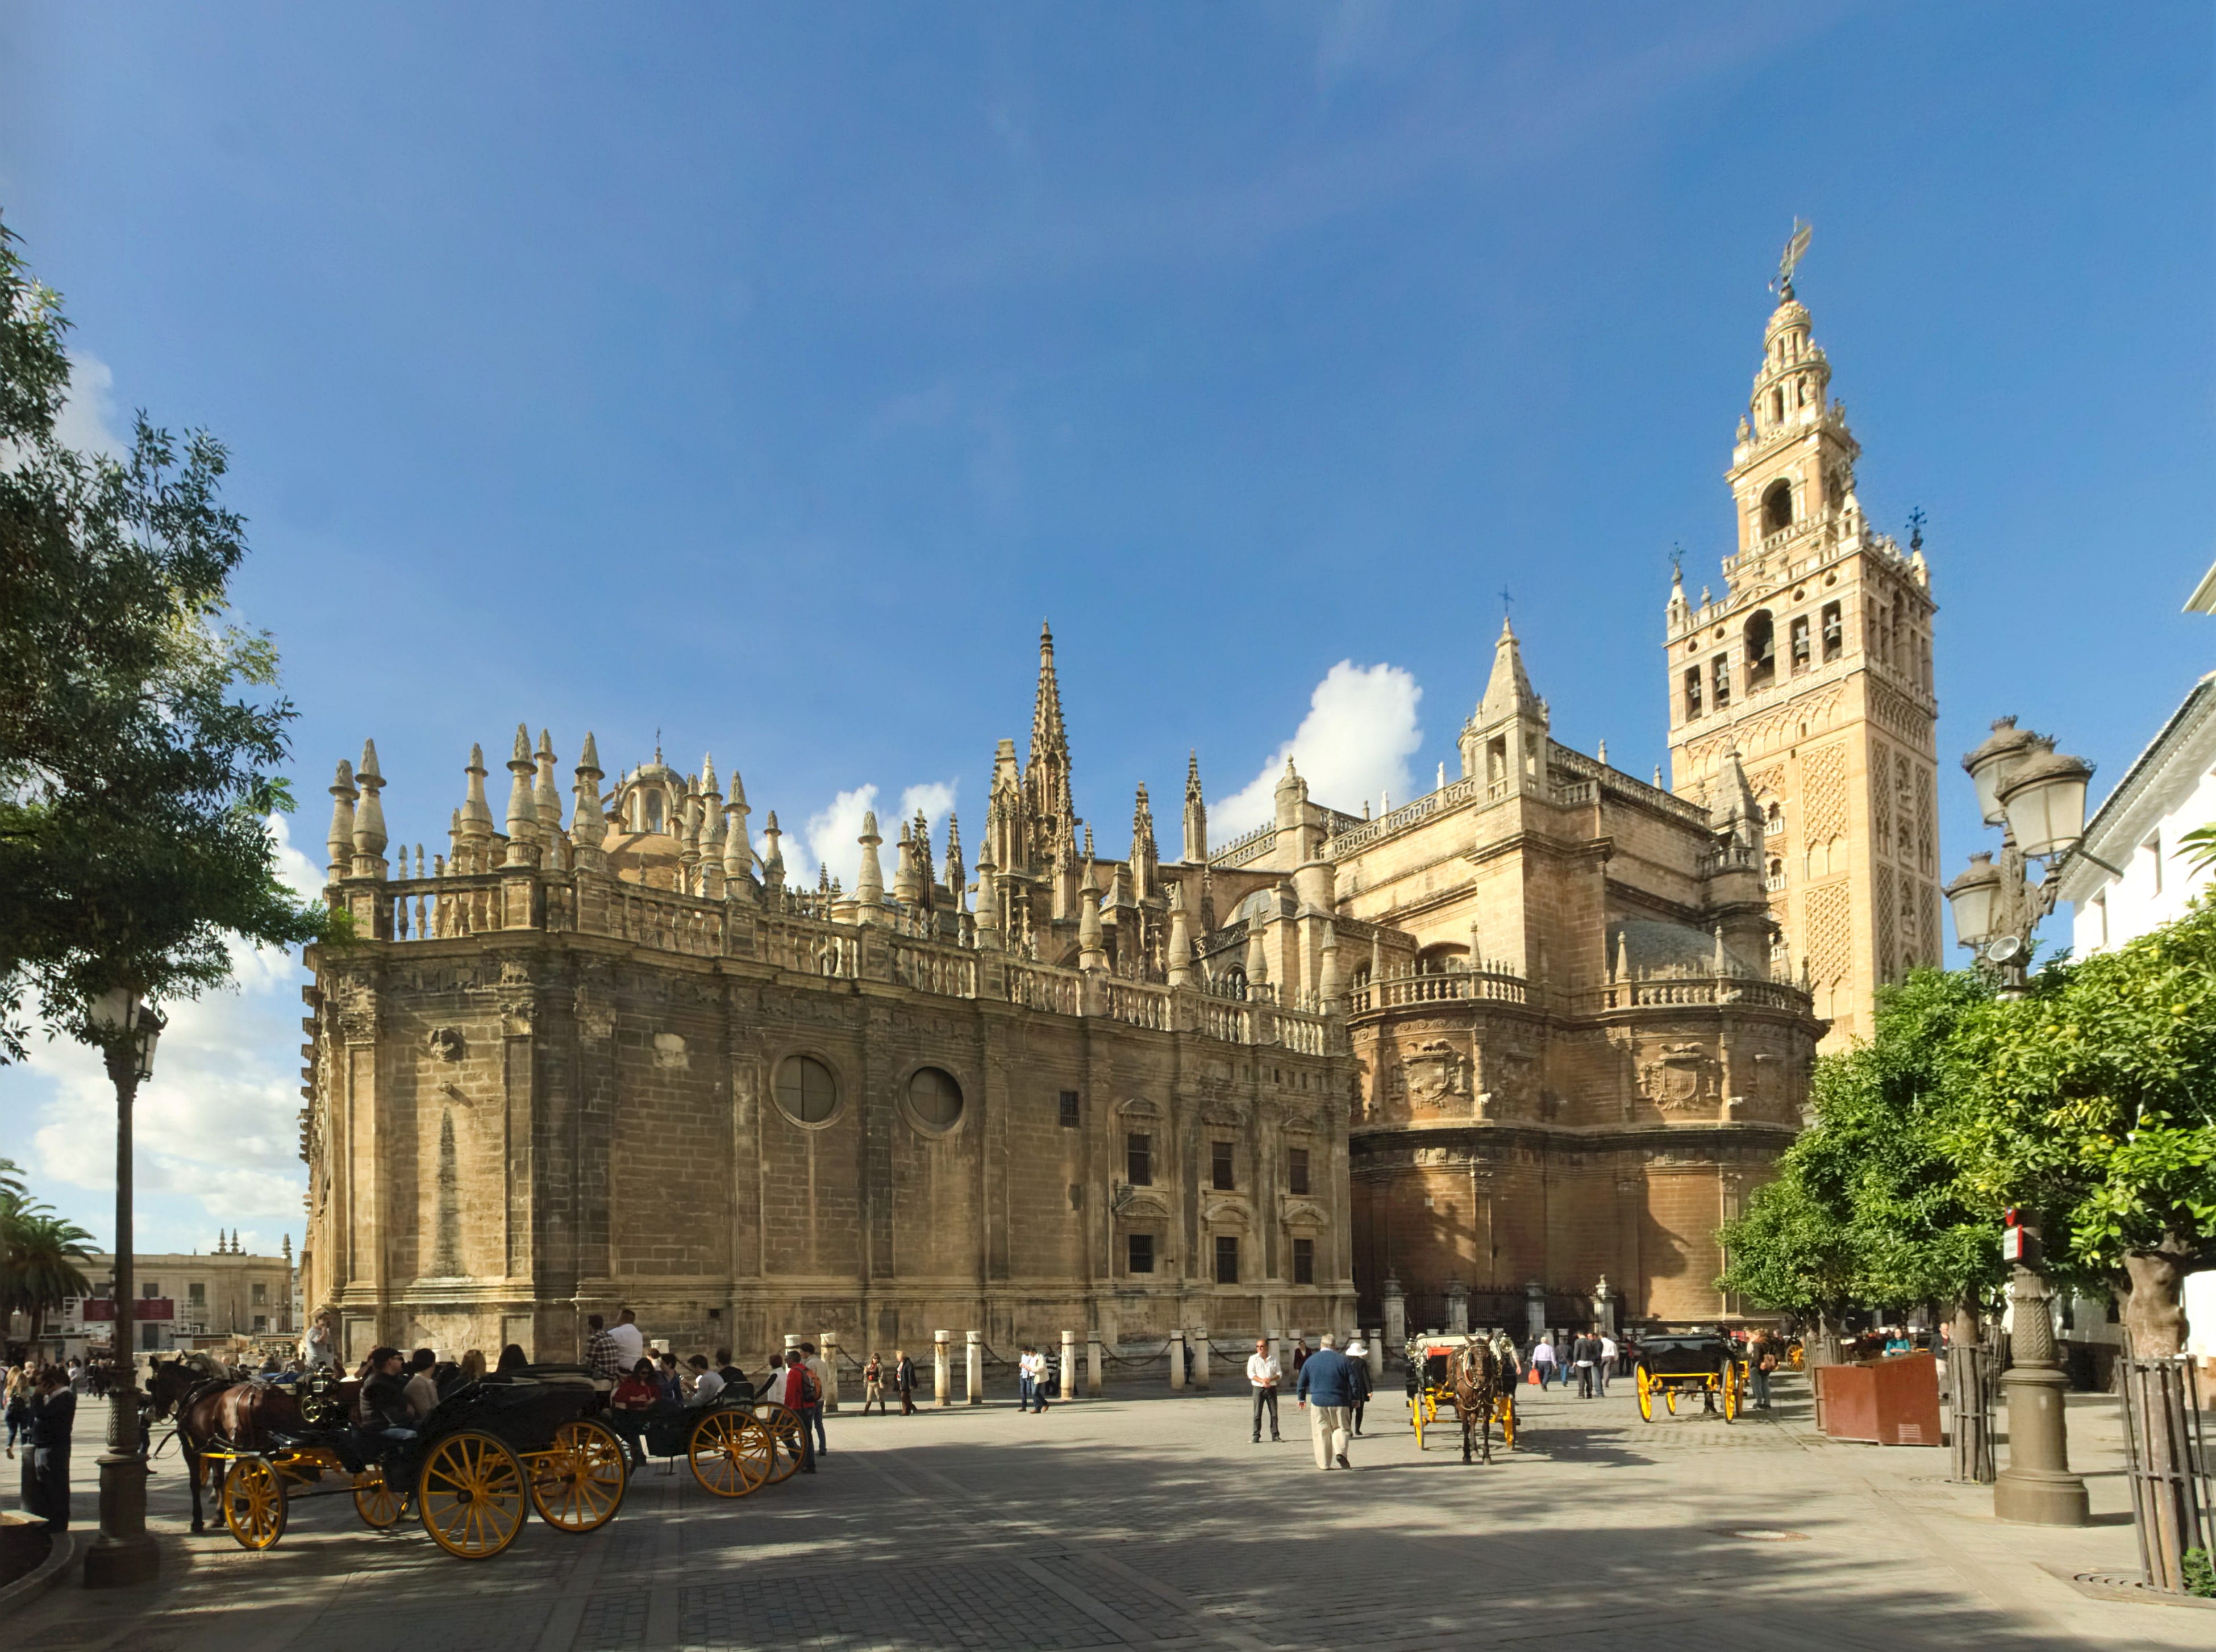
{"type": "Point", "coordinates": [39, 1257]}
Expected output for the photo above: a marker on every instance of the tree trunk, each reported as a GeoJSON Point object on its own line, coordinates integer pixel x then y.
{"type": "Point", "coordinates": [1966, 1331]}
{"type": "Point", "coordinates": [2153, 1310]}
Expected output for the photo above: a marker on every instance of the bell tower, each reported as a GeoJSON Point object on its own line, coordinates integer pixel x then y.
{"type": "Point", "coordinates": [1813, 666]}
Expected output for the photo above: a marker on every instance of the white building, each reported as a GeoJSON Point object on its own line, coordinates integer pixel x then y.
{"type": "Point", "coordinates": [2169, 790]}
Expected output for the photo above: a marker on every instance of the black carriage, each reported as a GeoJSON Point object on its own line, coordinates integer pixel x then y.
{"type": "Point", "coordinates": [735, 1443]}
{"type": "Point", "coordinates": [1707, 1363]}
{"type": "Point", "coordinates": [539, 1437]}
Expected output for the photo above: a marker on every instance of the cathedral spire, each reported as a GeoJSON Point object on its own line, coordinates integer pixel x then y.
{"type": "Point", "coordinates": [1046, 773]}
{"type": "Point", "coordinates": [1196, 814]}
{"type": "Point", "coordinates": [1508, 691]}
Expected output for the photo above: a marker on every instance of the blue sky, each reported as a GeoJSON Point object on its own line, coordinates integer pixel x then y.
{"type": "Point", "coordinates": [763, 376]}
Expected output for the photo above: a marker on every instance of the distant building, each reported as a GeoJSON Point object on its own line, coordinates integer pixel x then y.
{"type": "Point", "coordinates": [2169, 790]}
{"type": "Point", "coordinates": [188, 1300]}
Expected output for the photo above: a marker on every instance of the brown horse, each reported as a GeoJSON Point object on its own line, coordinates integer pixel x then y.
{"type": "Point", "coordinates": [212, 1406]}
{"type": "Point", "coordinates": [1478, 1377]}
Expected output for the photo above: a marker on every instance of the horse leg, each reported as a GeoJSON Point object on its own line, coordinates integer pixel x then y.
{"type": "Point", "coordinates": [1488, 1426]}
{"type": "Point", "coordinates": [193, 1474]}
{"type": "Point", "coordinates": [1465, 1434]}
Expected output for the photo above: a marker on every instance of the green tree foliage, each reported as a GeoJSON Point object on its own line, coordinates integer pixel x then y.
{"type": "Point", "coordinates": [39, 1254]}
{"type": "Point", "coordinates": [140, 738]}
{"type": "Point", "coordinates": [1870, 1204]}
{"type": "Point", "coordinates": [2098, 1112]}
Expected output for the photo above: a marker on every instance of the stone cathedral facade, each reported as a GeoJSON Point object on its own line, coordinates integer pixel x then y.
{"type": "Point", "coordinates": [1542, 1028]}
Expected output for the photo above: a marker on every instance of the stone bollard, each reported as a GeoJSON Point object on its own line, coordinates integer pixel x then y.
{"type": "Point", "coordinates": [974, 1373]}
{"type": "Point", "coordinates": [1200, 1356]}
{"type": "Point", "coordinates": [1094, 1365]}
{"type": "Point", "coordinates": [942, 1372]}
{"type": "Point", "coordinates": [1177, 1361]}
{"type": "Point", "coordinates": [826, 1343]}
{"type": "Point", "coordinates": [1396, 1316]}
{"type": "Point", "coordinates": [1068, 1366]}
{"type": "Point", "coordinates": [1376, 1340]}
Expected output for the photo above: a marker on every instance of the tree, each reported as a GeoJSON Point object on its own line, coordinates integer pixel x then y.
{"type": "Point", "coordinates": [39, 1257]}
{"type": "Point", "coordinates": [135, 777]}
{"type": "Point", "coordinates": [1870, 1204]}
{"type": "Point", "coordinates": [2098, 1112]}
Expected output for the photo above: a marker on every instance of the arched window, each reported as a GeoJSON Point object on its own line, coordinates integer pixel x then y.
{"type": "Point", "coordinates": [1761, 637]}
{"type": "Point", "coordinates": [1773, 820]}
{"type": "Point", "coordinates": [654, 811]}
{"type": "Point", "coordinates": [1777, 507]}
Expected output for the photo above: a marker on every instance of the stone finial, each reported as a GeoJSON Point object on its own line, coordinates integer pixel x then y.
{"type": "Point", "coordinates": [905, 887]}
{"type": "Point", "coordinates": [589, 826]}
{"type": "Point", "coordinates": [340, 843]}
{"type": "Point", "coordinates": [870, 885]}
{"type": "Point", "coordinates": [476, 814]}
{"type": "Point", "coordinates": [1091, 955]}
{"type": "Point", "coordinates": [773, 861]}
{"type": "Point", "coordinates": [1328, 972]}
{"type": "Point", "coordinates": [1257, 953]}
{"type": "Point", "coordinates": [1196, 814]}
{"type": "Point", "coordinates": [955, 878]}
{"type": "Point", "coordinates": [369, 817]}
{"type": "Point", "coordinates": [739, 883]}
{"type": "Point", "coordinates": [1377, 969]}
{"type": "Point", "coordinates": [522, 812]}
{"type": "Point", "coordinates": [543, 797]}
{"type": "Point", "coordinates": [1180, 947]}
{"type": "Point", "coordinates": [988, 903]}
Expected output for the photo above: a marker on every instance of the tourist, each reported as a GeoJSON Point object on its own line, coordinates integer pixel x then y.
{"type": "Point", "coordinates": [1760, 1360]}
{"type": "Point", "coordinates": [383, 1406]}
{"type": "Point", "coordinates": [672, 1378]}
{"type": "Point", "coordinates": [513, 1360]}
{"type": "Point", "coordinates": [1300, 1353]}
{"type": "Point", "coordinates": [629, 1341]}
{"type": "Point", "coordinates": [603, 1358]}
{"type": "Point", "coordinates": [820, 1382]}
{"type": "Point", "coordinates": [636, 1393]}
{"type": "Point", "coordinates": [19, 1402]}
{"type": "Point", "coordinates": [472, 1368]}
{"type": "Point", "coordinates": [1263, 1376]}
{"type": "Point", "coordinates": [801, 1394]}
{"type": "Point", "coordinates": [1359, 1357]}
{"type": "Point", "coordinates": [1584, 1355]}
{"type": "Point", "coordinates": [1327, 1378]}
{"type": "Point", "coordinates": [706, 1384]}
{"type": "Point", "coordinates": [904, 1380]}
{"type": "Point", "coordinates": [1031, 1380]}
{"type": "Point", "coordinates": [422, 1387]}
{"type": "Point", "coordinates": [1543, 1362]}
{"type": "Point", "coordinates": [873, 1385]}
{"type": "Point", "coordinates": [1606, 1367]}
{"type": "Point", "coordinates": [52, 1421]}
{"type": "Point", "coordinates": [322, 1346]}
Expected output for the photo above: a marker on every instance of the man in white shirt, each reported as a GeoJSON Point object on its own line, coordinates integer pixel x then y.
{"type": "Point", "coordinates": [1608, 1353]}
{"type": "Point", "coordinates": [1263, 1375]}
{"type": "Point", "coordinates": [629, 1341]}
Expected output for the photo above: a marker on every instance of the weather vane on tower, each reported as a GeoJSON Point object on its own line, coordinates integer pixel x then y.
{"type": "Point", "coordinates": [1796, 248]}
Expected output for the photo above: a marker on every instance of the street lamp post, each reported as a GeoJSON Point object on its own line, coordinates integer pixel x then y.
{"type": "Point", "coordinates": [2036, 796]}
{"type": "Point", "coordinates": [124, 1551]}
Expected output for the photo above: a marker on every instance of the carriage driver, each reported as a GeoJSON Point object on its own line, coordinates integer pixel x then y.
{"type": "Point", "coordinates": [384, 1410]}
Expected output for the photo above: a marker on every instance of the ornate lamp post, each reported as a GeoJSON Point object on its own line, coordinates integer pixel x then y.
{"type": "Point", "coordinates": [2037, 797]}
{"type": "Point", "coordinates": [124, 1551]}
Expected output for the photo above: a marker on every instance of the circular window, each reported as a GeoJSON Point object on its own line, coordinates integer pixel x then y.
{"type": "Point", "coordinates": [806, 1090]}
{"type": "Point", "coordinates": [935, 1098]}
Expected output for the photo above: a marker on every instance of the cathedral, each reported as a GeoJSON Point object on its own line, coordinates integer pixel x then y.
{"type": "Point", "coordinates": [1506, 1054]}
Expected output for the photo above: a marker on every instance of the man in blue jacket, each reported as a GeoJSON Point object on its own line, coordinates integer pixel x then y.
{"type": "Point", "coordinates": [1326, 1392]}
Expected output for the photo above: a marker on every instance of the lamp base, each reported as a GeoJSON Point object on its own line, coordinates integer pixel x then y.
{"type": "Point", "coordinates": [125, 1552]}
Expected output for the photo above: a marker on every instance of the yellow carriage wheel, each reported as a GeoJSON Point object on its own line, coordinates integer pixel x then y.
{"type": "Point", "coordinates": [1416, 1417]}
{"type": "Point", "coordinates": [1504, 1408]}
{"type": "Point", "coordinates": [1669, 1397]}
{"type": "Point", "coordinates": [1796, 1356]}
{"type": "Point", "coordinates": [254, 1502]}
{"type": "Point", "coordinates": [732, 1453]}
{"type": "Point", "coordinates": [378, 1504]}
{"type": "Point", "coordinates": [469, 1494]}
{"type": "Point", "coordinates": [578, 1486]}
{"type": "Point", "coordinates": [783, 1424]}
{"type": "Point", "coordinates": [1731, 1391]}
{"type": "Point", "coordinates": [1645, 1384]}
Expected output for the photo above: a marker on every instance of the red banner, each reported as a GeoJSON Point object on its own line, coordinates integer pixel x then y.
{"type": "Point", "coordinates": [98, 1309]}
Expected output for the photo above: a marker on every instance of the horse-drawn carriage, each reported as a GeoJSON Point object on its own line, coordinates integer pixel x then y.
{"type": "Point", "coordinates": [1707, 1363]}
{"type": "Point", "coordinates": [535, 1438]}
{"type": "Point", "coordinates": [735, 1443]}
{"type": "Point", "coordinates": [1475, 1384]}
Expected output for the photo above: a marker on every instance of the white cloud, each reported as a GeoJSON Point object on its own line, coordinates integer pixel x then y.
{"type": "Point", "coordinates": [217, 1127]}
{"type": "Point", "coordinates": [1354, 744]}
{"type": "Point", "coordinates": [832, 837]}
{"type": "Point", "coordinates": [88, 415]}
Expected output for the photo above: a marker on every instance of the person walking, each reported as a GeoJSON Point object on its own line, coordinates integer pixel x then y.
{"type": "Point", "coordinates": [803, 1397]}
{"type": "Point", "coordinates": [1543, 1361]}
{"type": "Point", "coordinates": [904, 1380]}
{"type": "Point", "coordinates": [821, 1375]}
{"type": "Point", "coordinates": [52, 1419]}
{"type": "Point", "coordinates": [1263, 1376]}
{"type": "Point", "coordinates": [873, 1385]}
{"type": "Point", "coordinates": [1760, 1360]}
{"type": "Point", "coordinates": [1359, 1357]}
{"type": "Point", "coordinates": [1327, 1378]}
{"type": "Point", "coordinates": [1583, 1350]}
{"type": "Point", "coordinates": [19, 1402]}
{"type": "Point", "coordinates": [1606, 1367]}
{"type": "Point", "coordinates": [1031, 1385]}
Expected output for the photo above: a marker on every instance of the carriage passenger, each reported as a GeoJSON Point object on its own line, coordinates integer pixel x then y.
{"type": "Point", "coordinates": [636, 1394]}
{"type": "Point", "coordinates": [382, 1409]}
{"type": "Point", "coordinates": [706, 1384]}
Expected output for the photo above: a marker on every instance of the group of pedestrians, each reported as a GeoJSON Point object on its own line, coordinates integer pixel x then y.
{"type": "Point", "coordinates": [1588, 1358]}
{"type": "Point", "coordinates": [1331, 1387]}
{"type": "Point", "coordinates": [41, 1413]}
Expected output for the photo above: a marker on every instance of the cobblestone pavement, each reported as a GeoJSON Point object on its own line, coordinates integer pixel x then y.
{"type": "Point", "coordinates": [1151, 1519]}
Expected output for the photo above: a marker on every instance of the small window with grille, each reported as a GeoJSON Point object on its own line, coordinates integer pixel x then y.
{"type": "Point", "coordinates": [1141, 1253]}
{"type": "Point", "coordinates": [1227, 1259]}
{"type": "Point", "coordinates": [1139, 1160]}
{"type": "Point", "coordinates": [1069, 1111]}
{"type": "Point", "coordinates": [1297, 1179]}
{"type": "Point", "coordinates": [1219, 1167]}
{"type": "Point", "coordinates": [1303, 1261]}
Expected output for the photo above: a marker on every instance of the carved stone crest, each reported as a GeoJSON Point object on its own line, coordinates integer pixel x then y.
{"type": "Point", "coordinates": [669, 1051]}
{"type": "Point", "coordinates": [445, 1043]}
{"type": "Point", "coordinates": [1435, 1070]}
{"type": "Point", "coordinates": [1675, 1077]}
